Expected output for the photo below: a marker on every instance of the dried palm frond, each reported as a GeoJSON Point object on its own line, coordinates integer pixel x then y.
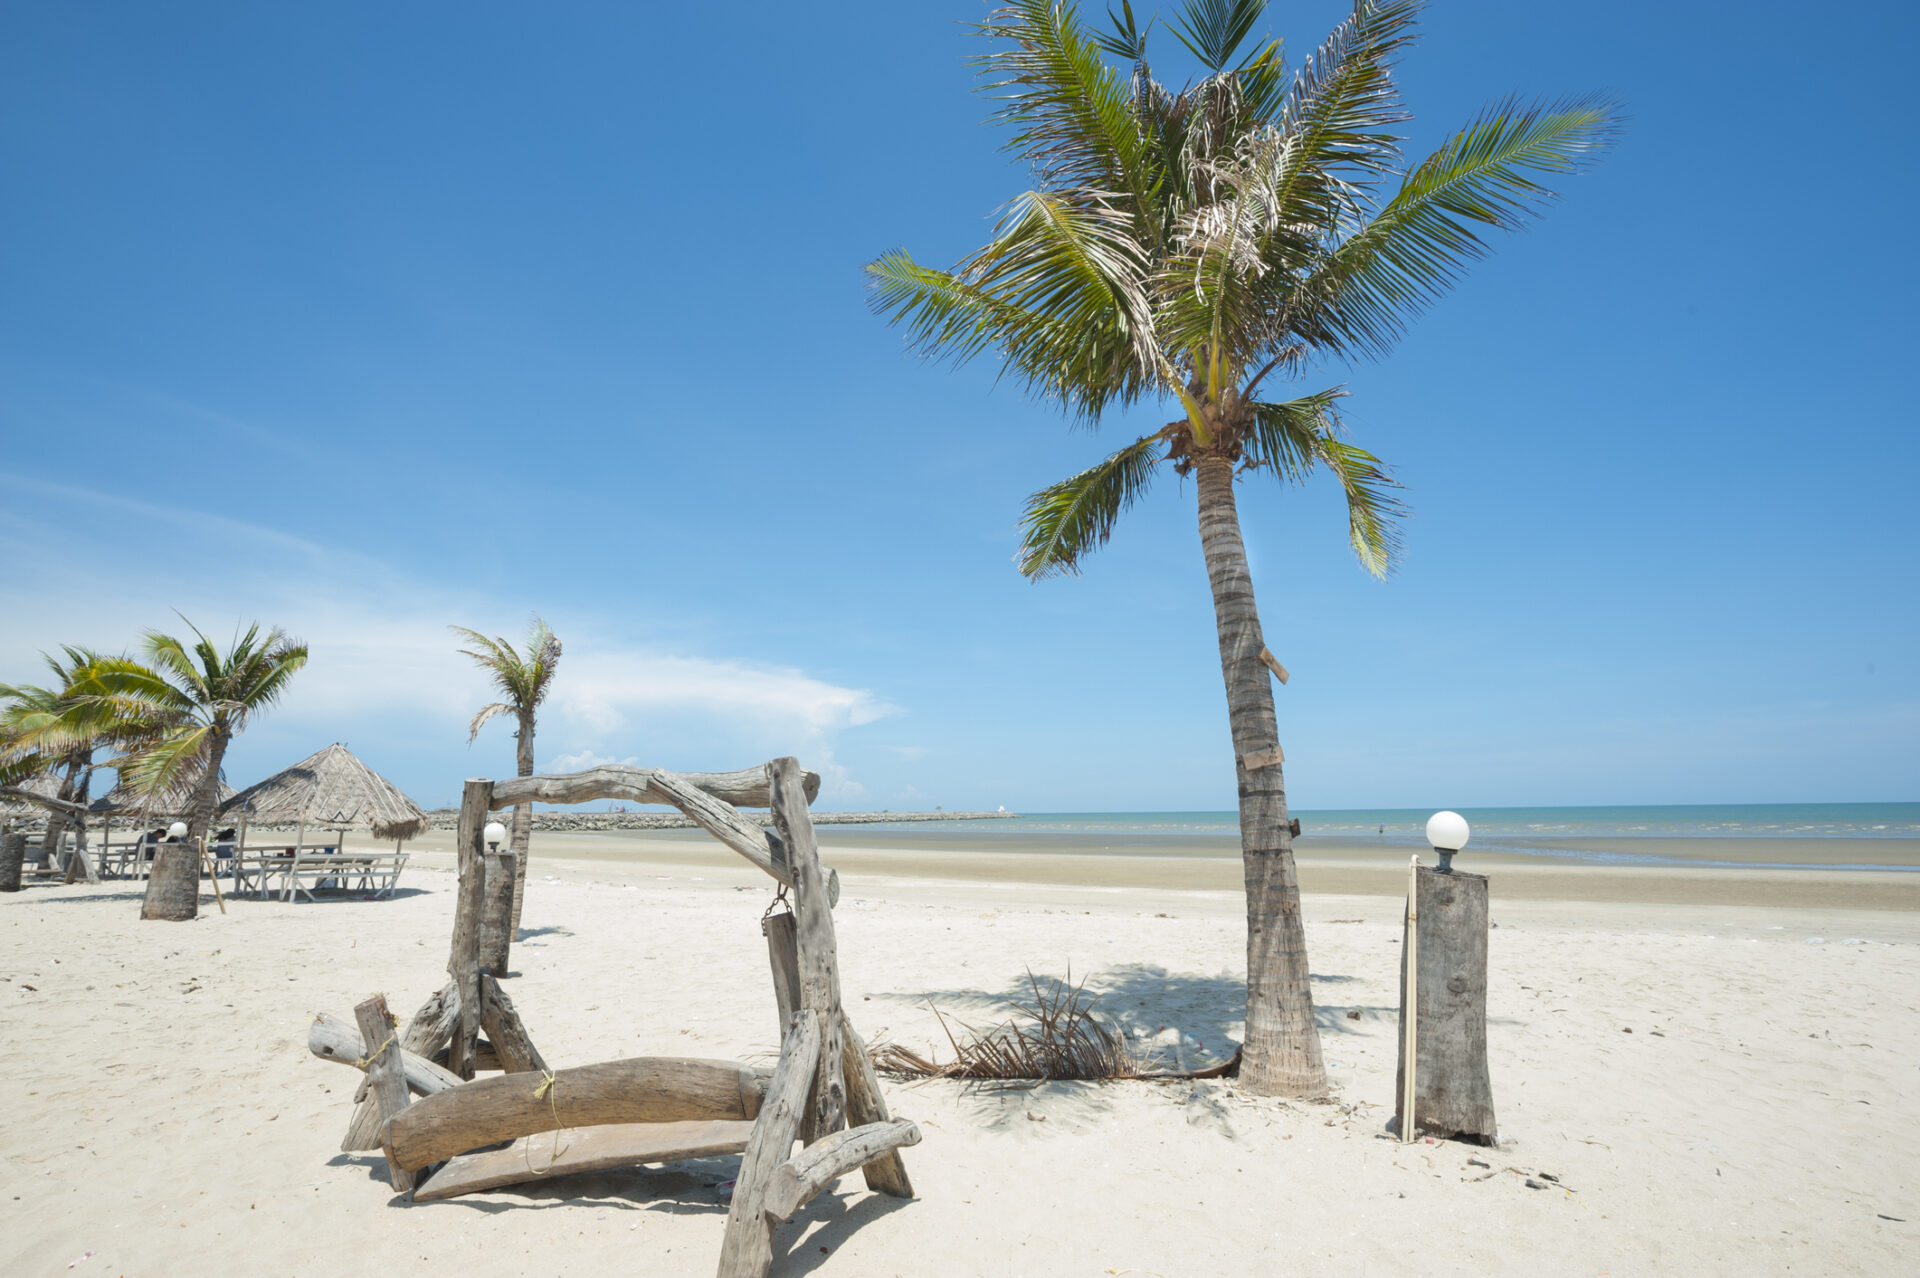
{"type": "Point", "coordinates": [1055, 1036]}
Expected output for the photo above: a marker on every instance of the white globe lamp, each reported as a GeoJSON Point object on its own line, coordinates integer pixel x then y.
{"type": "Point", "coordinates": [1447, 832]}
{"type": "Point", "coordinates": [495, 834]}
{"type": "Point", "coordinates": [177, 831]}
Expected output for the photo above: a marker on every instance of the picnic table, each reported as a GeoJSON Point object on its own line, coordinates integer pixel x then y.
{"type": "Point", "coordinates": [302, 871]}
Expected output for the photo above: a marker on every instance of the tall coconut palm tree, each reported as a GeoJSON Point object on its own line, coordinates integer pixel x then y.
{"type": "Point", "coordinates": [524, 679]}
{"type": "Point", "coordinates": [201, 698]}
{"type": "Point", "coordinates": [1195, 247]}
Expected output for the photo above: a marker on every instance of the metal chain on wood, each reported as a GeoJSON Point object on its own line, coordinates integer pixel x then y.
{"type": "Point", "coordinates": [779, 899]}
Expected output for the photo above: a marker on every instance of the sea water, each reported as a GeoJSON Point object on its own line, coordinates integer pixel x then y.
{"type": "Point", "coordinates": [1624, 835]}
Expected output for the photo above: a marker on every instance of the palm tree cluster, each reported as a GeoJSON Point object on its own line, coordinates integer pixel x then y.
{"type": "Point", "coordinates": [168, 721]}
{"type": "Point", "coordinates": [1197, 247]}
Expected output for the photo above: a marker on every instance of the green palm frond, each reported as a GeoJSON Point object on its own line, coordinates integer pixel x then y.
{"type": "Point", "coordinates": [1292, 438]}
{"type": "Point", "coordinates": [171, 764]}
{"type": "Point", "coordinates": [1059, 292]}
{"type": "Point", "coordinates": [169, 656]}
{"type": "Point", "coordinates": [1364, 293]}
{"type": "Point", "coordinates": [1128, 40]}
{"type": "Point", "coordinates": [1069, 519]}
{"type": "Point", "coordinates": [525, 679]}
{"type": "Point", "coordinates": [1070, 112]}
{"type": "Point", "coordinates": [1285, 437]}
{"type": "Point", "coordinates": [1213, 29]}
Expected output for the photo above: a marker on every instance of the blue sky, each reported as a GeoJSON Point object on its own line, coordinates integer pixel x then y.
{"type": "Point", "coordinates": [364, 320]}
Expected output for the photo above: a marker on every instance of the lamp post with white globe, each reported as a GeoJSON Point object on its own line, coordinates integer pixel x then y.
{"type": "Point", "coordinates": [1443, 1087]}
{"type": "Point", "coordinates": [1447, 832]}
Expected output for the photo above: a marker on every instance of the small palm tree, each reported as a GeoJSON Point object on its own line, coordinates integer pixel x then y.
{"type": "Point", "coordinates": [198, 698]}
{"type": "Point", "coordinates": [1193, 247]}
{"type": "Point", "coordinates": [56, 730]}
{"type": "Point", "coordinates": [524, 680]}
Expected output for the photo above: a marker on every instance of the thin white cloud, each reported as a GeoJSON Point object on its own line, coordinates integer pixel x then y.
{"type": "Point", "coordinates": [381, 648]}
{"type": "Point", "coordinates": [602, 688]}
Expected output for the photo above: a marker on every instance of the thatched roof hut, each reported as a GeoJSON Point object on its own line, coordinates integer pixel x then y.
{"type": "Point", "coordinates": [330, 790]}
{"type": "Point", "coordinates": [122, 801]}
{"type": "Point", "coordinates": [23, 810]}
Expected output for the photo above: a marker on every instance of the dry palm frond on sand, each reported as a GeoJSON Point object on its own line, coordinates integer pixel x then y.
{"type": "Point", "coordinates": [1056, 1035]}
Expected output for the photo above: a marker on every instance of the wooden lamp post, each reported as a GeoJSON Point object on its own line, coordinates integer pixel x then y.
{"type": "Point", "coordinates": [1442, 1087]}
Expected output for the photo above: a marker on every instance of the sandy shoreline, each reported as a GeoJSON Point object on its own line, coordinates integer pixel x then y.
{"type": "Point", "coordinates": [1346, 867]}
{"type": "Point", "coordinates": [1756, 1119]}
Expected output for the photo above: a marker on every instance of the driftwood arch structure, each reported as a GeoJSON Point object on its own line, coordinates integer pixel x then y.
{"type": "Point", "coordinates": [823, 1092]}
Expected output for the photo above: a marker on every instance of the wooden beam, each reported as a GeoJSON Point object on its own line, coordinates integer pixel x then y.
{"type": "Point", "coordinates": [1273, 664]}
{"type": "Point", "coordinates": [425, 1034]}
{"type": "Point", "coordinates": [645, 1089]}
{"type": "Point", "coordinates": [463, 965]}
{"type": "Point", "coordinates": [783, 956]}
{"type": "Point", "coordinates": [584, 1149]}
{"type": "Point", "coordinates": [718, 818]}
{"type": "Point", "coordinates": [796, 1181]}
{"type": "Point", "coordinates": [746, 788]}
{"type": "Point", "coordinates": [384, 1070]}
{"type": "Point", "coordinates": [886, 1174]}
{"type": "Point", "coordinates": [818, 952]}
{"type": "Point", "coordinates": [747, 1249]}
{"type": "Point", "coordinates": [332, 1039]}
{"type": "Point", "coordinates": [508, 1036]}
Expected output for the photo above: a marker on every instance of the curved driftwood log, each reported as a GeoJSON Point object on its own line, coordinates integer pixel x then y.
{"type": "Point", "coordinates": [332, 1039]}
{"type": "Point", "coordinates": [646, 1089]}
{"type": "Point", "coordinates": [585, 1149]}
{"type": "Point", "coordinates": [746, 788]}
{"type": "Point", "coordinates": [747, 1249]}
{"type": "Point", "coordinates": [797, 1180]}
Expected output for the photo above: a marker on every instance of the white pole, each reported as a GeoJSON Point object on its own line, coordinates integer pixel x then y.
{"type": "Point", "coordinates": [1409, 1031]}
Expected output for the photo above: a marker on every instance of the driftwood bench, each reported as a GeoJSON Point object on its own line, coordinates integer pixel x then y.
{"type": "Point", "coordinates": [468, 1134]}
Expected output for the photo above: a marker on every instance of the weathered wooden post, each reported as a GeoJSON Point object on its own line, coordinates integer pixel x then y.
{"type": "Point", "coordinates": [386, 1075]}
{"type": "Point", "coordinates": [13, 851]}
{"type": "Point", "coordinates": [463, 964]}
{"type": "Point", "coordinates": [1445, 954]}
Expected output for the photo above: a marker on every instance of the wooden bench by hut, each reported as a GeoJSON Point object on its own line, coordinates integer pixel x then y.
{"type": "Point", "coordinates": [823, 1092]}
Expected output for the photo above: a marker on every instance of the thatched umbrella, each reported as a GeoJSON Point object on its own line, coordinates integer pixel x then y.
{"type": "Point", "coordinates": [332, 790]}
{"type": "Point", "coordinates": [124, 801]}
{"type": "Point", "coordinates": [12, 809]}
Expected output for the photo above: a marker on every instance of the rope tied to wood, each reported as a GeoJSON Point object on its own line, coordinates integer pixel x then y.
{"type": "Point", "coordinates": [545, 1091]}
{"type": "Point", "coordinates": [393, 1030]}
{"type": "Point", "coordinates": [366, 1062]}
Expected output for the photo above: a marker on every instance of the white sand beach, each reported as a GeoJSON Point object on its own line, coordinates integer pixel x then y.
{"type": "Point", "coordinates": [1718, 1089]}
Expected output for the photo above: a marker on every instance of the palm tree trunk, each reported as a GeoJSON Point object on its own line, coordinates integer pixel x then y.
{"type": "Point", "coordinates": [173, 885]}
{"type": "Point", "coordinates": [58, 821]}
{"type": "Point", "coordinates": [1282, 1042]}
{"type": "Point", "coordinates": [522, 825]}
